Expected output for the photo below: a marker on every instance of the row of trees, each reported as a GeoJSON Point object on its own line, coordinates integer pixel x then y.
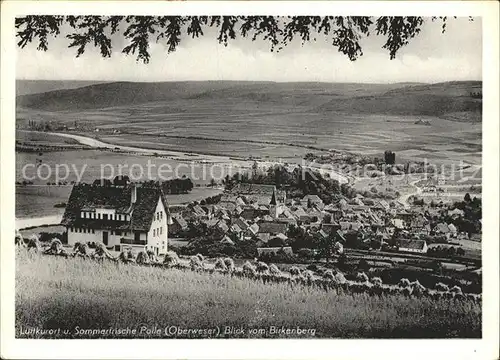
{"type": "Point", "coordinates": [174, 186]}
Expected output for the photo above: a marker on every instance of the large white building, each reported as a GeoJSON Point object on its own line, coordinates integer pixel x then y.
{"type": "Point", "coordinates": [128, 216]}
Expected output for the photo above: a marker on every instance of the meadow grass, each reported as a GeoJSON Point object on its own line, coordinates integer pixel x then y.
{"type": "Point", "coordinates": [58, 293]}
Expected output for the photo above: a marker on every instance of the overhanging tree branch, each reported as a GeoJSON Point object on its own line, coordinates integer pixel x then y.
{"type": "Point", "coordinates": [344, 33]}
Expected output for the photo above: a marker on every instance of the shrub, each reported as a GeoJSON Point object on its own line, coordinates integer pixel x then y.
{"type": "Point", "coordinates": [55, 246]}
{"type": "Point", "coordinates": [418, 289]}
{"type": "Point", "coordinates": [81, 249]}
{"type": "Point", "coordinates": [171, 259]}
{"type": "Point", "coordinates": [442, 287]}
{"type": "Point", "coordinates": [404, 283]}
{"type": "Point", "coordinates": [362, 277]}
{"type": "Point", "coordinates": [220, 265]}
{"type": "Point", "coordinates": [201, 257]}
{"type": "Point", "coordinates": [262, 267]}
{"type": "Point", "coordinates": [19, 239]}
{"type": "Point", "coordinates": [340, 278]}
{"type": "Point", "coordinates": [308, 275]}
{"type": "Point", "coordinates": [34, 243]}
{"type": "Point", "coordinates": [273, 270]}
{"type": "Point", "coordinates": [407, 291]}
{"type": "Point", "coordinates": [329, 275]}
{"type": "Point", "coordinates": [377, 281]}
{"type": "Point", "coordinates": [142, 258]}
{"type": "Point", "coordinates": [229, 264]}
{"type": "Point", "coordinates": [312, 267]}
{"type": "Point", "coordinates": [152, 256]}
{"type": "Point", "coordinates": [294, 270]}
{"type": "Point", "coordinates": [248, 269]}
{"type": "Point", "coordinates": [196, 263]}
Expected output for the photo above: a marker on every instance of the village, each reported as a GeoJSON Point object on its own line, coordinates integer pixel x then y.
{"type": "Point", "coordinates": [282, 217]}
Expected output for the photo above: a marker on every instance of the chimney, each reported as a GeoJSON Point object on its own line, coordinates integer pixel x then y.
{"type": "Point", "coordinates": [133, 196]}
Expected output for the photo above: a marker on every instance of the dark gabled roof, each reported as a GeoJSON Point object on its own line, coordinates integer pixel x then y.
{"type": "Point", "coordinates": [180, 220]}
{"type": "Point", "coordinates": [272, 227]}
{"type": "Point", "coordinates": [89, 197]}
{"type": "Point", "coordinates": [145, 206]}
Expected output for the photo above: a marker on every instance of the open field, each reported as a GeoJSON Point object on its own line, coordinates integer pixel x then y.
{"type": "Point", "coordinates": [53, 292]}
{"type": "Point", "coordinates": [239, 119]}
{"type": "Point", "coordinates": [38, 201]}
{"type": "Point", "coordinates": [37, 230]}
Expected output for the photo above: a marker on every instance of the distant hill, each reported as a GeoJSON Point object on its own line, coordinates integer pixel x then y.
{"type": "Point", "coordinates": [26, 87]}
{"type": "Point", "coordinates": [117, 94]}
{"type": "Point", "coordinates": [452, 99]}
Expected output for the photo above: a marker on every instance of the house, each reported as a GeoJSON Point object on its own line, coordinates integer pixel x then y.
{"type": "Point", "coordinates": [455, 213]}
{"type": "Point", "coordinates": [241, 223]}
{"type": "Point", "coordinates": [342, 204]}
{"type": "Point", "coordinates": [227, 240]}
{"type": "Point", "coordinates": [252, 230]}
{"type": "Point", "coordinates": [413, 245]}
{"type": "Point", "coordinates": [323, 234]}
{"type": "Point", "coordinates": [419, 222]}
{"type": "Point", "coordinates": [200, 212]}
{"type": "Point", "coordinates": [384, 204]}
{"type": "Point", "coordinates": [398, 223]}
{"type": "Point", "coordinates": [442, 229]}
{"type": "Point", "coordinates": [272, 228]}
{"type": "Point", "coordinates": [312, 200]}
{"type": "Point", "coordinates": [178, 224]}
{"type": "Point", "coordinates": [340, 236]}
{"type": "Point", "coordinates": [330, 228]}
{"type": "Point", "coordinates": [452, 228]}
{"type": "Point", "coordinates": [404, 215]}
{"type": "Point", "coordinates": [130, 216]}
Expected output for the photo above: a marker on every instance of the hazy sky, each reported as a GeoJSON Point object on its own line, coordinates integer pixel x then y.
{"type": "Point", "coordinates": [430, 57]}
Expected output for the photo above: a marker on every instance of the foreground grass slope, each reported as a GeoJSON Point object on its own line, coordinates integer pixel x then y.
{"type": "Point", "coordinates": [53, 292]}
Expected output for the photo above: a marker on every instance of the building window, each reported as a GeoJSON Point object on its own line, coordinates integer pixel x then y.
{"type": "Point", "coordinates": [161, 231]}
{"type": "Point", "coordinates": [154, 232]}
{"type": "Point", "coordinates": [93, 231]}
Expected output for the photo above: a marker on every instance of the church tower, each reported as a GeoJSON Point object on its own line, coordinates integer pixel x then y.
{"type": "Point", "coordinates": [273, 206]}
